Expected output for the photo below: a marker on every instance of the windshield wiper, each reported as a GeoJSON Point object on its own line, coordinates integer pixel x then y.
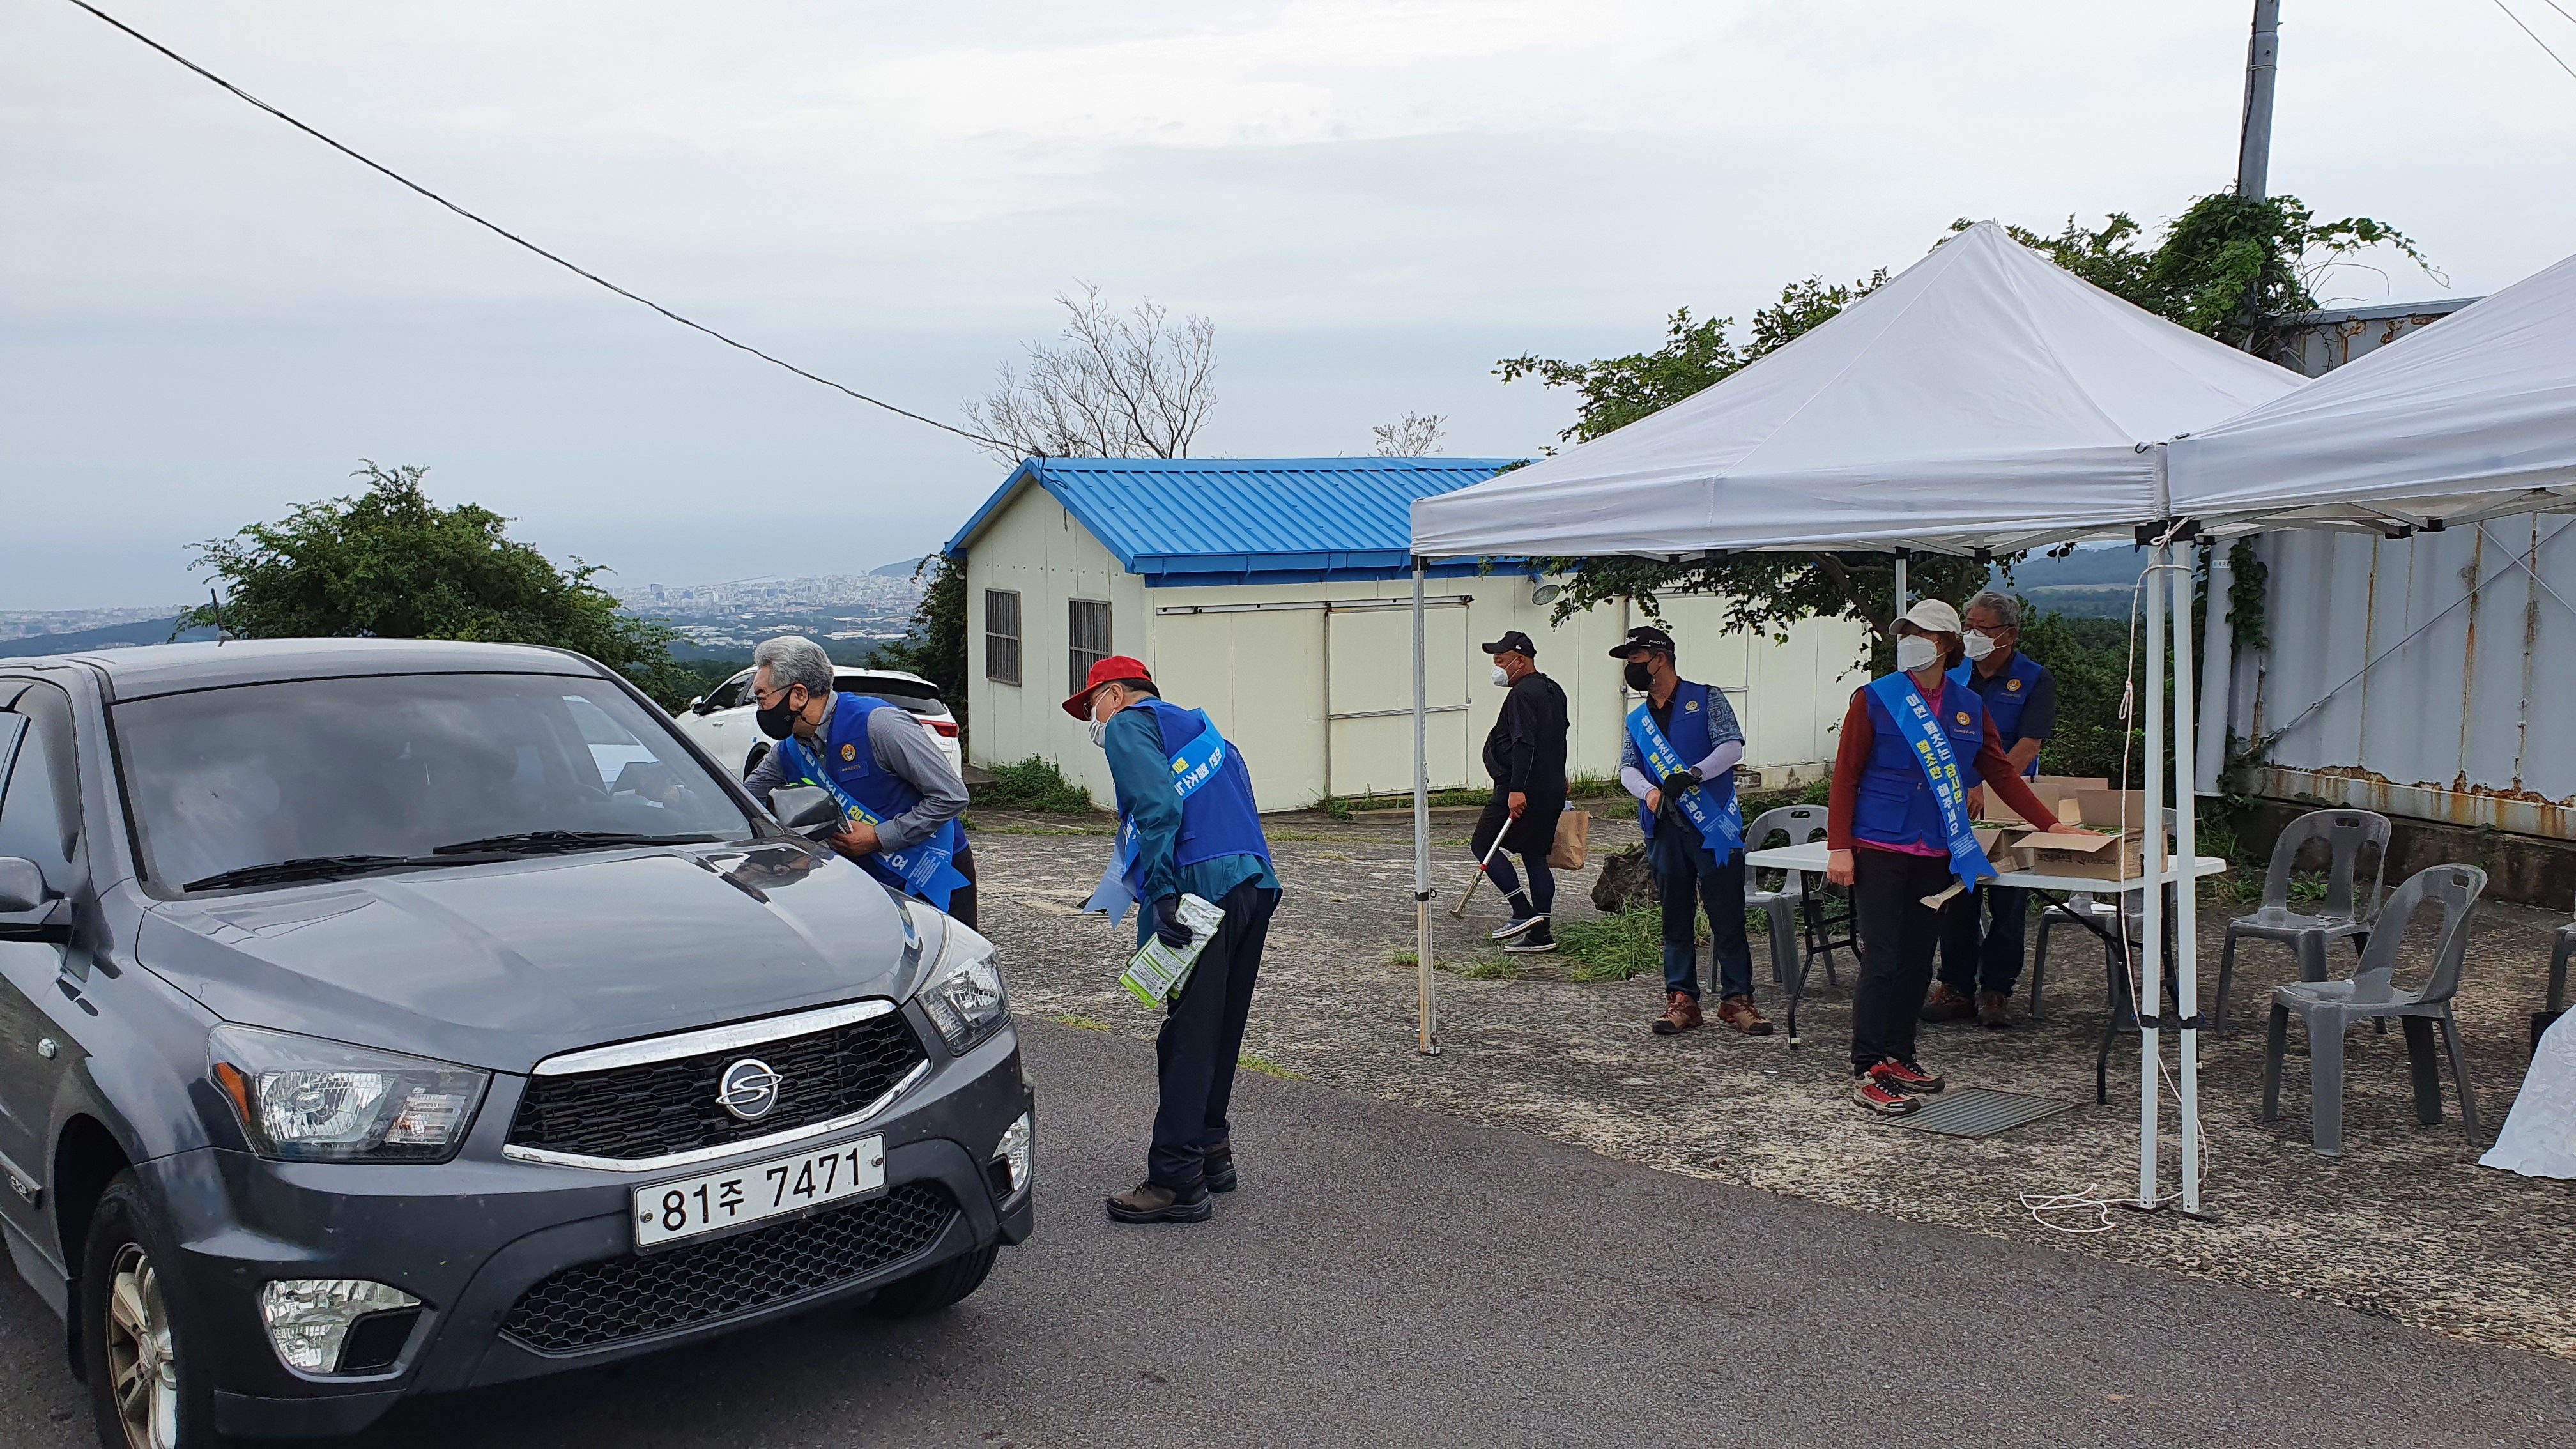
{"type": "Point", "coordinates": [538, 842]}
{"type": "Point", "coordinates": [309, 867]}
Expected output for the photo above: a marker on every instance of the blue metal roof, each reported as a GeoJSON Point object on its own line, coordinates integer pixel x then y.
{"type": "Point", "coordinates": [1187, 521]}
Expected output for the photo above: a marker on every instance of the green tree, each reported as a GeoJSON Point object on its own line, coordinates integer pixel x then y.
{"type": "Point", "coordinates": [391, 563]}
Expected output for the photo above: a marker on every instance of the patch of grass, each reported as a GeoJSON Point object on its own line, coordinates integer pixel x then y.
{"type": "Point", "coordinates": [1268, 1068]}
{"type": "Point", "coordinates": [1334, 807]}
{"type": "Point", "coordinates": [1492, 968]}
{"type": "Point", "coordinates": [1589, 786]}
{"type": "Point", "coordinates": [1032, 784]}
{"type": "Point", "coordinates": [1086, 1023]}
{"type": "Point", "coordinates": [1405, 957]}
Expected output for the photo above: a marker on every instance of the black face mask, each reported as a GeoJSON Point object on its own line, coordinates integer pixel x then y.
{"type": "Point", "coordinates": [778, 721]}
{"type": "Point", "coordinates": [1639, 675]}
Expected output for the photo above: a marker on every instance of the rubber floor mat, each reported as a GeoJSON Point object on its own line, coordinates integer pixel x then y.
{"type": "Point", "coordinates": [1979, 1112]}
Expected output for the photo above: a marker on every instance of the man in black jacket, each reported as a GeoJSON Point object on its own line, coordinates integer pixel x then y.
{"type": "Point", "coordinates": [1525, 755]}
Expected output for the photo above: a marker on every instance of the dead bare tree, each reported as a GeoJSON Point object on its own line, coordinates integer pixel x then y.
{"type": "Point", "coordinates": [1415, 436]}
{"type": "Point", "coordinates": [1133, 384]}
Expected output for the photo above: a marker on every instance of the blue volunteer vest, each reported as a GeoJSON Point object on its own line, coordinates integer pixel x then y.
{"type": "Point", "coordinates": [2005, 705]}
{"type": "Point", "coordinates": [1710, 805]}
{"type": "Point", "coordinates": [848, 771]}
{"type": "Point", "coordinates": [1218, 814]}
{"type": "Point", "coordinates": [1896, 803]}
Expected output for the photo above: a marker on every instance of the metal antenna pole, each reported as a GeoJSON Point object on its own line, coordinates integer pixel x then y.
{"type": "Point", "coordinates": [1425, 991]}
{"type": "Point", "coordinates": [2254, 139]}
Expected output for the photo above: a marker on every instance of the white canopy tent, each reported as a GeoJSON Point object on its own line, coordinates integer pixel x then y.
{"type": "Point", "coordinates": [1983, 399]}
{"type": "Point", "coordinates": [2472, 418]}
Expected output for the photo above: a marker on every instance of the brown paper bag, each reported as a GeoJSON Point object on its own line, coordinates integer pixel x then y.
{"type": "Point", "coordinates": [1573, 840]}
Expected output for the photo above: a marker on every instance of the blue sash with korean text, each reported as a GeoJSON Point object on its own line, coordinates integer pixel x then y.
{"type": "Point", "coordinates": [1931, 746]}
{"type": "Point", "coordinates": [927, 870]}
{"type": "Point", "coordinates": [1721, 823]}
{"type": "Point", "coordinates": [1193, 765]}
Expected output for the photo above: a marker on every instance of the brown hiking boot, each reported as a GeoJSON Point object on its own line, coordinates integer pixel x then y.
{"type": "Point", "coordinates": [1740, 1012]}
{"type": "Point", "coordinates": [1681, 1014]}
{"type": "Point", "coordinates": [1945, 1004]}
{"type": "Point", "coordinates": [1994, 1009]}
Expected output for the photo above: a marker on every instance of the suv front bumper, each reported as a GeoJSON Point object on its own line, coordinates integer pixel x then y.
{"type": "Point", "coordinates": [470, 1238]}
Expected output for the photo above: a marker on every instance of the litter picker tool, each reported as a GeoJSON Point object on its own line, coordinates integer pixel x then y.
{"type": "Point", "coordinates": [1459, 911]}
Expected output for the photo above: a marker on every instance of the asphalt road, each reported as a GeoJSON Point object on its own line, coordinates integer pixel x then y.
{"type": "Point", "coordinates": [1392, 1277]}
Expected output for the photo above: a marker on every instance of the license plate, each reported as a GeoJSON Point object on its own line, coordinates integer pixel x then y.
{"type": "Point", "coordinates": [670, 1211]}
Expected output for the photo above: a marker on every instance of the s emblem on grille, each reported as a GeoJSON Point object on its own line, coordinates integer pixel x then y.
{"type": "Point", "coordinates": [748, 1089]}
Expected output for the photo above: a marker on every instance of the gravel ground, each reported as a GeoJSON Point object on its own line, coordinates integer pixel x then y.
{"type": "Point", "coordinates": [2488, 1256]}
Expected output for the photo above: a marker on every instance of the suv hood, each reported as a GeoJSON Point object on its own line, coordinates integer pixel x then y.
{"type": "Point", "coordinates": [503, 965]}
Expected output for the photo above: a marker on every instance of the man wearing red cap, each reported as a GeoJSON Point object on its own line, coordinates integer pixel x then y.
{"type": "Point", "coordinates": [1186, 822]}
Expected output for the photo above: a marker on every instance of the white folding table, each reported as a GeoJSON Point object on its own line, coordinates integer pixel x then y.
{"type": "Point", "coordinates": [1810, 858]}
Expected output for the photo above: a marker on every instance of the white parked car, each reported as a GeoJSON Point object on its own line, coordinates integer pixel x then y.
{"type": "Point", "coordinates": [721, 721]}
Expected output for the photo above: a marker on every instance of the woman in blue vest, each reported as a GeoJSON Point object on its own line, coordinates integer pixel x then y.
{"type": "Point", "coordinates": [1982, 949]}
{"type": "Point", "coordinates": [1913, 746]}
{"type": "Point", "coordinates": [899, 797]}
{"type": "Point", "coordinates": [1187, 822]}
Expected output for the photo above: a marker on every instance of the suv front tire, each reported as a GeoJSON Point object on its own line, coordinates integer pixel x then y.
{"type": "Point", "coordinates": [137, 1333]}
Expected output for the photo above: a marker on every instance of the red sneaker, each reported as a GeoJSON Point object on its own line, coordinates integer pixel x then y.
{"type": "Point", "coordinates": [1870, 1093]}
{"type": "Point", "coordinates": [1906, 1077]}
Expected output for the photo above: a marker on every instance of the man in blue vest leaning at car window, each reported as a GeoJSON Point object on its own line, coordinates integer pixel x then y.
{"type": "Point", "coordinates": [1186, 822]}
{"type": "Point", "coordinates": [899, 798]}
{"type": "Point", "coordinates": [1678, 757]}
{"type": "Point", "coordinates": [1981, 942]}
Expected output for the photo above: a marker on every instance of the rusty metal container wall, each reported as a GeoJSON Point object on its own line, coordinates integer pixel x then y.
{"type": "Point", "coordinates": [2431, 677]}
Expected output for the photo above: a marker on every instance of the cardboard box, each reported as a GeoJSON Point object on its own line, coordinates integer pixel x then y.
{"type": "Point", "coordinates": [2053, 791]}
{"type": "Point", "coordinates": [2108, 810]}
{"type": "Point", "coordinates": [2082, 854]}
{"type": "Point", "coordinates": [1996, 839]}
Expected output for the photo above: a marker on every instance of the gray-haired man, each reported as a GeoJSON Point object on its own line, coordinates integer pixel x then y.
{"type": "Point", "coordinates": [897, 793]}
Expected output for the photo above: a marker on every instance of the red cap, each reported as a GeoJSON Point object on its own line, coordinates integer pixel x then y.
{"type": "Point", "coordinates": [1116, 669]}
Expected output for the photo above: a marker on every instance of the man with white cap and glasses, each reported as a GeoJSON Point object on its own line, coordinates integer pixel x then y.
{"type": "Point", "coordinates": [1981, 946]}
{"type": "Point", "coordinates": [1913, 745]}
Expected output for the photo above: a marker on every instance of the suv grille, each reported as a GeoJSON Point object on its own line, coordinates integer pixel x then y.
{"type": "Point", "coordinates": [629, 1297]}
{"type": "Point", "coordinates": [658, 1108]}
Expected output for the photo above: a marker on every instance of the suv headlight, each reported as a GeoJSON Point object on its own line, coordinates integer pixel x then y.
{"type": "Point", "coordinates": [962, 994]}
{"type": "Point", "coordinates": [301, 1099]}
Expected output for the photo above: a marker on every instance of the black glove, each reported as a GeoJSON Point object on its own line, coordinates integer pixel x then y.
{"type": "Point", "coordinates": [1678, 781]}
{"type": "Point", "coordinates": [1169, 928]}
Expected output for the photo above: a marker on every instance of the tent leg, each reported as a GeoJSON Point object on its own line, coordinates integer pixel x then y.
{"type": "Point", "coordinates": [1900, 588]}
{"type": "Point", "coordinates": [2148, 978]}
{"type": "Point", "coordinates": [1426, 992]}
{"type": "Point", "coordinates": [2186, 894]}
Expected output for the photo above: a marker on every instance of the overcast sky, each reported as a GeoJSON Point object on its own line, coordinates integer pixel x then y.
{"type": "Point", "coordinates": [206, 317]}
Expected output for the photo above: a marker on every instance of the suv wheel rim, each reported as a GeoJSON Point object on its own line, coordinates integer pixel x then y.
{"type": "Point", "coordinates": [143, 1368]}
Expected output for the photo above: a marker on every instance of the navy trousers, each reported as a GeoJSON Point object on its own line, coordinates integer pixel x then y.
{"type": "Point", "coordinates": [1202, 1038]}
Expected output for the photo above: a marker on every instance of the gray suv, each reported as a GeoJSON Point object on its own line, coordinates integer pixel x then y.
{"type": "Point", "coordinates": [389, 1017]}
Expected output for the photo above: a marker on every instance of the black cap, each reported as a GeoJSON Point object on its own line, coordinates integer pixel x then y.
{"type": "Point", "coordinates": [1512, 642]}
{"type": "Point", "coordinates": [1645, 636]}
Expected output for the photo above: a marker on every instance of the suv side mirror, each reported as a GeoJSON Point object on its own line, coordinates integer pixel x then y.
{"type": "Point", "coordinates": [698, 705]}
{"type": "Point", "coordinates": [802, 806]}
{"type": "Point", "coordinates": [22, 885]}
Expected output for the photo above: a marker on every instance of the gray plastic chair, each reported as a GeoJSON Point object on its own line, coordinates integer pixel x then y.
{"type": "Point", "coordinates": [2347, 914]}
{"type": "Point", "coordinates": [1801, 823]}
{"type": "Point", "coordinates": [2331, 1008]}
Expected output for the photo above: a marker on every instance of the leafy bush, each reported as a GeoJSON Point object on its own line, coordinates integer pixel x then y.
{"type": "Point", "coordinates": [1032, 784]}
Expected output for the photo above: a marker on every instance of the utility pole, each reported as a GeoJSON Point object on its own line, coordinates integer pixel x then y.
{"type": "Point", "coordinates": [2262, 62]}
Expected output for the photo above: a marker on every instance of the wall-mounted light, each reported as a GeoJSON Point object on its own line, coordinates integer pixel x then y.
{"type": "Point", "coordinates": [1542, 595]}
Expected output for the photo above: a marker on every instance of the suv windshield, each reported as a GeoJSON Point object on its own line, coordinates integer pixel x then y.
{"type": "Point", "coordinates": [339, 775]}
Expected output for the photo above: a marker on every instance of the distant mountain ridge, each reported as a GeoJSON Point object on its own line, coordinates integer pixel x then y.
{"type": "Point", "coordinates": [107, 636]}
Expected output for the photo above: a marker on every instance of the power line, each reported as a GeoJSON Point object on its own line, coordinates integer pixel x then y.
{"type": "Point", "coordinates": [2499, 4]}
{"type": "Point", "coordinates": [507, 235]}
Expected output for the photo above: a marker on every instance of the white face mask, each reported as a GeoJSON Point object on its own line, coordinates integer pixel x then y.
{"type": "Point", "coordinates": [1914, 653]}
{"type": "Point", "coordinates": [1979, 646]}
{"type": "Point", "coordinates": [1502, 677]}
{"type": "Point", "coordinates": [1099, 729]}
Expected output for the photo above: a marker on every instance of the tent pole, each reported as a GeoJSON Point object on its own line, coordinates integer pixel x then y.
{"type": "Point", "coordinates": [1901, 555]}
{"type": "Point", "coordinates": [2186, 894]}
{"type": "Point", "coordinates": [2147, 975]}
{"type": "Point", "coordinates": [1425, 993]}
{"type": "Point", "coordinates": [2217, 656]}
